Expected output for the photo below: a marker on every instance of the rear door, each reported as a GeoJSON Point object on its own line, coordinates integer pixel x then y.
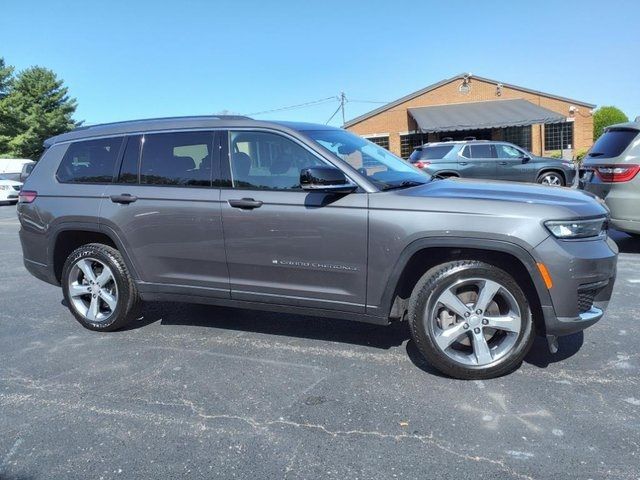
{"type": "Point", "coordinates": [478, 160]}
{"type": "Point", "coordinates": [285, 245]}
{"type": "Point", "coordinates": [165, 211]}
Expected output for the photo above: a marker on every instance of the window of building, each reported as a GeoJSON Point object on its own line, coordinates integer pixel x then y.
{"type": "Point", "coordinates": [182, 158]}
{"type": "Point", "coordinates": [520, 136]}
{"type": "Point", "coordinates": [90, 161]}
{"type": "Point", "coordinates": [408, 143]}
{"type": "Point", "coordinates": [380, 141]}
{"type": "Point", "coordinates": [558, 136]}
{"type": "Point", "coordinates": [268, 161]}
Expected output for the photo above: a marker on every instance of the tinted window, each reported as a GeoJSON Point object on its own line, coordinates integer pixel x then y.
{"type": "Point", "coordinates": [129, 168]}
{"type": "Point", "coordinates": [91, 161]}
{"type": "Point", "coordinates": [182, 158]}
{"type": "Point", "coordinates": [434, 153]}
{"type": "Point", "coordinates": [482, 151]}
{"type": "Point", "coordinates": [612, 143]}
{"type": "Point", "coordinates": [466, 152]}
{"type": "Point", "coordinates": [267, 161]}
{"type": "Point", "coordinates": [508, 151]}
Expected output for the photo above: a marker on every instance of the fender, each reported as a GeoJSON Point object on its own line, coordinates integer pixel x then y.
{"type": "Point", "coordinates": [501, 246]}
{"type": "Point", "coordinates": [95, 227]}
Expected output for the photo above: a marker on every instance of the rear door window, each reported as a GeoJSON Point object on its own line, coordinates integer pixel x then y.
{"type": "Point", "coordinates": [90, 161]}
{"type": "Point", "coordinates": [483, 151]}
{"type": "Point", "coordinates": [179, 158]}
{"type": "Point", "coordinates": [612, 143]}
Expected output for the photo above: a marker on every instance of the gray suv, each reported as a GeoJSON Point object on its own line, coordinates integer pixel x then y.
{"type": "Point", "coordinates": [311, 219]}
{"type": "Point", "coordinates": [610, 170]}
{"type": "Point", "coordinates": [491, 160]}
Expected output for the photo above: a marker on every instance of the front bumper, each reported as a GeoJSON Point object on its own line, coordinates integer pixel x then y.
{"type": "Point", "coordinates": [584, 274]}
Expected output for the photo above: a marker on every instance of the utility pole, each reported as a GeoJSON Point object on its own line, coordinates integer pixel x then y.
{"type": "Point", "coordinates": [343, 100]}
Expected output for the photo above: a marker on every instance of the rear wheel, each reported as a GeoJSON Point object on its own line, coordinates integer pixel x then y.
{"type": "Point", "coordinates": [552, 179]}
{"type": "Point", "coordinates": [98, 288]}
{"type": "Point", "coordinates": [471, 320]}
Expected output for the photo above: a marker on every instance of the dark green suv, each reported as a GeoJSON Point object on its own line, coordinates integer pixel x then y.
{"type": "Point", "coordinates": [491, 160]}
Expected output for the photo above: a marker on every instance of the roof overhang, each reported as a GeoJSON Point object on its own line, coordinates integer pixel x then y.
{"type": "Point", "coordinates": [479, 115]}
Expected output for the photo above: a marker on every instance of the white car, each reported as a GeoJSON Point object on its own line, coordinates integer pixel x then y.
{"type": "Point", "coordinates": [9, 188]}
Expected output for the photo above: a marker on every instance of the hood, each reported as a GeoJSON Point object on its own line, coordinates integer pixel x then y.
{"type": "Point", "coordinates": [10, 182]}
{"type": "Point", "coordinates": [501, 198]}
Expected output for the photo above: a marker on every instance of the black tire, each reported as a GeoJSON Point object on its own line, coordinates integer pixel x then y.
{"type": "Point", "coordinates": [424, 299]}
{"type": "Point", "coordinates": [544, 178]}
{"type": "Point", "coordinates": [128, 301]}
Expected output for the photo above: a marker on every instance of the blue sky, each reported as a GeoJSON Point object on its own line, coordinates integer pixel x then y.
{"type": "Point", "coordinates": [136, 59]}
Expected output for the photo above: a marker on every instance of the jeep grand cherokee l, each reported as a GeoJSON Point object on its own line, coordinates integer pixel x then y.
{"type": "Point", "coordinates": [311, 219]}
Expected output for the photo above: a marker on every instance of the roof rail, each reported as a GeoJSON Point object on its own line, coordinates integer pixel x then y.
{"type": "Point", "coordinates": [124, 122]}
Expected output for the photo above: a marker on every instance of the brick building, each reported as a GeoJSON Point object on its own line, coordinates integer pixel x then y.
{"type": "Point", "coordinates": [471, 106]}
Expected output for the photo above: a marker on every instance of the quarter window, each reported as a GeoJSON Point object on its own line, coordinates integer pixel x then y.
{"type": "Point", "coordinates": [90, 161]}
{"type": "Point", "coordinates": [182, 158]}
{"type": "Point", "coordinates": [267, 161]}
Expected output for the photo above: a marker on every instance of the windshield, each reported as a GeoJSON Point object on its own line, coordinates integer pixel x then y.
{"type": "Point", "coordinates": [612, 143]}
{"type": "Point", "coordinates": [380, 166]}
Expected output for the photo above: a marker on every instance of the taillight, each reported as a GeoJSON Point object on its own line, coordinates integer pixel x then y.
{"type": "Point", "coordinates": [27, 196]}
{"type": "Point", "coordinates": [421, 164]}
{"type": "Point", "coordinates": [616, 174]}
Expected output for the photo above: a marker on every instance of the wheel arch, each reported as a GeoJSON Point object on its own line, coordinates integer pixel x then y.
{"type": "Point", "coordinates": [557, 170]}
{"type": "Point", "coordinates": [421, 255]}
{"type": "Point", "coordinates": [68, 236]}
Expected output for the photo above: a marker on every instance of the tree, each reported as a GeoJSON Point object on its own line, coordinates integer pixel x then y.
{"type": "Point", "coordinates": [34, 106]}
{"type": "Point", "coordinates": [605, 116]}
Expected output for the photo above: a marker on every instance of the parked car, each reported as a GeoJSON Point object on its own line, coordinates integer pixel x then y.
{"type": "Point", "coordinates": [27, 168]}
{"type": "Point", "coordinates": [14, 165]}
{"type": "Point", "coordinates": [9, 188]}
{"type": "Point", "coordinates": [289, 217]}
{"type": "Point", "coordinates": [610, 171]}
{"type": "Point", "coordinates": [491, 160]}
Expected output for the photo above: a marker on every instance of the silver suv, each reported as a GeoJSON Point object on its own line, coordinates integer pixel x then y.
{"type": "Point", "coordinates": [610, 170]}
{"type": "Point", "coordinates": [491, 160]}
{"type": "Point", "coordinates": [315, 220]}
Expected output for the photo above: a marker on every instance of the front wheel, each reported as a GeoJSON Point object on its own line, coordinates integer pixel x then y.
{"type": "Point", "coordinates": [98, 288]}
{"type": "Point", "coordinates": [552, 179]}
{"type": "Point", "coordinates": [470, 320]}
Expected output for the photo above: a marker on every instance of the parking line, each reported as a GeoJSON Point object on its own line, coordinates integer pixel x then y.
{"type": "Point", "coordinates": [634, 280]}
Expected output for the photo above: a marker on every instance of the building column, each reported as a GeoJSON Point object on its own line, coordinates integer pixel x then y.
{"type": "Point", "coordinates": [394, 143]}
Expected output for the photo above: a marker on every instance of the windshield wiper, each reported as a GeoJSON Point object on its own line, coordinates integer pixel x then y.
{"type": "Point", "coordinates": [405, 184]}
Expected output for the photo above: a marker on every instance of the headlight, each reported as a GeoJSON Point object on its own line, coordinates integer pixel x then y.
{"type": "Point", "coordinates": [577, 228]}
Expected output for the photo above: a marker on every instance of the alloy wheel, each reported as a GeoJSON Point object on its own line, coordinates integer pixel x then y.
{"type": "Point", "coordinates": [475, 321]}
{"type": "Point", "coordinates": [551, 179]}
{"type": "Point", "coordinates": [93, 290]}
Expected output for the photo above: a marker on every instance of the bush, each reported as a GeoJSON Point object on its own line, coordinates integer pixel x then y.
{"type": "Point", "coordinates": [580, 156]}
{"type": "Point", "coordinates": [555, 154]}
{"type": "Point", "coordinates": [605, 116]}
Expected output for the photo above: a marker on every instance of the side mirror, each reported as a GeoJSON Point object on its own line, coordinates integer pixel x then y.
{"type": "Point", "coordinates": [325, 179]}
{"type": "Point", "coordinates": [526, 159]}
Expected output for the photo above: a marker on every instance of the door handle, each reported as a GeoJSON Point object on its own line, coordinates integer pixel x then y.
{"type": "Point", "coordinates": [502, 163]}
{"type": "Point", "coordinates": [245, 203]}
{"type": "Point", "coordinates": [124, 199]}
{"type": "Point", "coordinates": [464, 163]}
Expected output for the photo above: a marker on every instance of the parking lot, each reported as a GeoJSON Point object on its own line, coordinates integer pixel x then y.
{"type": "Point", "coordinates": [199, 391]}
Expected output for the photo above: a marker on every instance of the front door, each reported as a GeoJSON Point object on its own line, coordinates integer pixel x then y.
{"type": "Point", "coordinates": [164, 210]}
{"type": "Point", "coordinates": [514, 164]}
{"type": "Point", "coordinates": [285, 245]}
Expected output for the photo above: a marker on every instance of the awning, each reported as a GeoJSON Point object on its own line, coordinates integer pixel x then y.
{"type": "Point", "coordinates": [477, 115]}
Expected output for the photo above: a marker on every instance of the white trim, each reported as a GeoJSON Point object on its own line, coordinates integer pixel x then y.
{"type": "Point", "coordinates": [374, 135]}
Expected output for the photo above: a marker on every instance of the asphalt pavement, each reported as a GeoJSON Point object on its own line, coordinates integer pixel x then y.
{"type": "Point", "coordinates": [194, 391]}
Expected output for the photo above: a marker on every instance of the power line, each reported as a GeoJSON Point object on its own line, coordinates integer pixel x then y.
{"type": "Point", "coordinates": [300, 105]}
{"type": "Point", "coordinates": [334, 113]}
